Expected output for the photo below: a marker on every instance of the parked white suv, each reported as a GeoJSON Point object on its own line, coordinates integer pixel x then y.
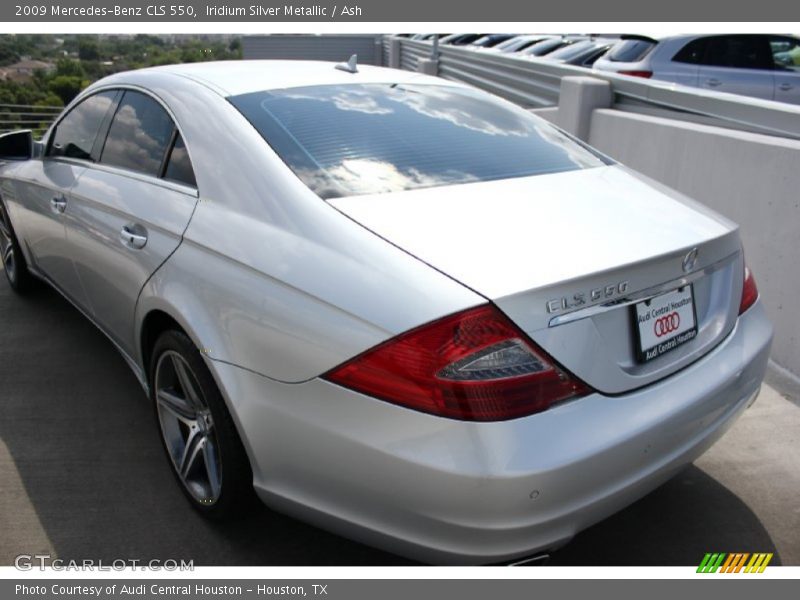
{"type": "Point", "coordinates": [760, 65]}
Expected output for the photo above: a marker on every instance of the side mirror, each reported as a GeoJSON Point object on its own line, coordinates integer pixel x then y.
{"type": "Point", "coordinates": [18, 145]}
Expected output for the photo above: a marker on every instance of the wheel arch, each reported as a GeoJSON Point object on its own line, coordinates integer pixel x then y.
{"type": "Point", "coordinates": [155, 323]}
{"type": "Point", "coordinates": [161, 307]}
{"type": "Point", "coordinates": [154, 317]}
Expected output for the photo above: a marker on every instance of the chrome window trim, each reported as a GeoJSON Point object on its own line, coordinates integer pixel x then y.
{"type": "Point", "coordinates": [136, 175]}
{"type": "Point", "coordinates": [77, 100]}
{"type": "Point", "coordinates": [168, 184]}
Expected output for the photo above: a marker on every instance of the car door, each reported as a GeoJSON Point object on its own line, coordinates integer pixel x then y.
{"type": "Point", "coordinates": [738, 64]}
{"type": "Point", "coordinates": [684, 66]}
{"type": "Point", "coordinates": [131, 209]}
{"type": "Point", "coordinates": [43, 187]}
{"type": "Point", "coordinates": [786, 56]}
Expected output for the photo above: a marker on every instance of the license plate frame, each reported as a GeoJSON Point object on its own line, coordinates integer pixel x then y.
{"type": "Point", "coordinates": [663, 323]}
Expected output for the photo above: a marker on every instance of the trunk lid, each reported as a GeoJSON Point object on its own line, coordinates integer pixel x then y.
{"type": "Point", "coordinates": [567, 256]}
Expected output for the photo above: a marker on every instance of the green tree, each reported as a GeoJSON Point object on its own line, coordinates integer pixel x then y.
{"type": "Point", "coordinates": [7, 56]}
{"type": "Point", "coordinates": [88, 49]}
{"type": "Point", "coordinates": [80, 59]}
{"type": "Point", "coordinates": [69, 68]}
{"type": "Point", "coordinates": [66, 87]}
{"type": "Point", "coordinates": [49, 99]}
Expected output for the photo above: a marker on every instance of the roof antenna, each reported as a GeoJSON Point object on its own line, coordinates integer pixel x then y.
{"type": "Point", "coordinates": [350, 66]}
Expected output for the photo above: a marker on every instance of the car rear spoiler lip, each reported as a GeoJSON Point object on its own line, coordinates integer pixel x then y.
{"type": "Point", "coordinates": [635, 36]}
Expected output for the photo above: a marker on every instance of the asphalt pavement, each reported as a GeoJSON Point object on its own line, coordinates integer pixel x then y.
{"type": "Point", "coordinates": [83, 475]}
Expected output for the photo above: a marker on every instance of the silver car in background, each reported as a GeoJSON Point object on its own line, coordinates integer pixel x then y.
{"type": "Point", "coordinates": [759, 65]}
{"type": "Point", "coordinates": [583, 53]}
{"type": "Point", "coordinates": [546, 46]}
{"type": "Point", "coordinates": [520, 42]}
{"type": "Point", "coordinates": [392, 305]}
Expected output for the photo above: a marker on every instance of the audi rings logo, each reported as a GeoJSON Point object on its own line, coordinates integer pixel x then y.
{"type": "Point", "coordinates": [667, 324]}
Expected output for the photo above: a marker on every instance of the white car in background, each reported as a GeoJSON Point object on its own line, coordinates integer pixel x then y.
{"type": "Point", "coordinates": [545, 47]}
{"type": "Point", "coordinates": [759, 65]}
{"type": "Point", "coordinates": [583, 53]}
{"type": "Point", "coordinates": [520, 42]}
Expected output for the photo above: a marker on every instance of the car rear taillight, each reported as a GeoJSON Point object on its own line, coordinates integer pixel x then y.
{"type": "Point", "coordinates": [749, 291]}
{"type": "Point", "coordinates": [475, 365]}
{"type": "Point", "coordinates": [645, 74]}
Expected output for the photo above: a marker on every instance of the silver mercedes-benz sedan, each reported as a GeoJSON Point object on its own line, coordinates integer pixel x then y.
{"type": "Point", "coordinates": [392, 305]}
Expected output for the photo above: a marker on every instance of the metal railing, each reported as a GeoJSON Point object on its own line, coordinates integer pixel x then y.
{"type": "Point", "coordinates": [22, 116]}
{"type": "Point", "coordinates": [385, 46]}
{"type": "Point", "coordinates": [412, 52]}
{"type": "Point", "coordinates": [514, 78]}
{"type": "Point", "coordinates": [535, 83]}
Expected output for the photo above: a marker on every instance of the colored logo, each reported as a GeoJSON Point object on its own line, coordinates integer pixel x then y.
{"type": "Point", "coordinates": [736, 562]}
{"type": "Point", "coordinates": [668, 324]}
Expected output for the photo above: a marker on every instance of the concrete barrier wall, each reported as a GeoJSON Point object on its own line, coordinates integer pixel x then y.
{"type": "Point", "coordinates": [702, 143]}
{"type": "Point", "coordinates": [751, 178]}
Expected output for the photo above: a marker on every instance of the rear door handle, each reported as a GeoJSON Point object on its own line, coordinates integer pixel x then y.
{"type": "Point", "coordinates": [59, 204]}
{"type": "Point", "coordinates": [713, 82]}
{"type": "Point", "coordinates": [133, 236]}
{"type": "Point", "coordinates": [785, 86]}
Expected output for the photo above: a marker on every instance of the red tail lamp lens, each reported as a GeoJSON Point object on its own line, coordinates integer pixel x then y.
{"type": "Point", "coordinates": [475, 365]}
{"type": "Point", "coordinates": [749, 290]}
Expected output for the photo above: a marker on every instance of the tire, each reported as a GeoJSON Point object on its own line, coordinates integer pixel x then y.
{"type": "Point", "coordinates": [14, 265]}
{"type": "Point", "coordinates": [200, 439]}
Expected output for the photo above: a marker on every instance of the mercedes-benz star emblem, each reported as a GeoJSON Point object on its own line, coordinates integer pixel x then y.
{"type": "Point", "coordinates": [690, 260]}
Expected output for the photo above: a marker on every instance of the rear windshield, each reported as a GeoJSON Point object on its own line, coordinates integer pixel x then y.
{"type": "Point", "coordinates": [542, 48]}
{"type": "Point", "coordinates": [630, 50]}
{"type": "Point", "coordinates": [526, 44]}
{"type": "Point", "coordinates": [346, 140]}
{"type": "Point", "coordinates": [572, 50]}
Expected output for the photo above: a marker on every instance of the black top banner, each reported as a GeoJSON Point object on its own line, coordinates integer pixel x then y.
{"type": "Point", "coordinates": [445, 11]}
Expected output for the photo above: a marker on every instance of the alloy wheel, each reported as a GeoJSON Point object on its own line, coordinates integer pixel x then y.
{"type": "Point", "coordinates": [188, 428]}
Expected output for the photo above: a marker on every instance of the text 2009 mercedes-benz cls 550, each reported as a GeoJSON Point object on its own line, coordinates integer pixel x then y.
{"type": "Point", "coordinates": [393, 305]}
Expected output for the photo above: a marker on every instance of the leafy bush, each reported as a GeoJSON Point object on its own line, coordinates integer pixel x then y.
{"type": "Point", "coordinates": [81, 59]}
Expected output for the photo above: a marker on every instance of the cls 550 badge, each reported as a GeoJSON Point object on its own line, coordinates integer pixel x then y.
{"type": "Point", "coordinates": [578, 299]}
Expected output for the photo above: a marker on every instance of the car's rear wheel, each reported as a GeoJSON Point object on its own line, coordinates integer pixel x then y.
{"type": "Point", "coordinates": [14, 263]}
{"type": "Point", "coordinates": [199, 436]}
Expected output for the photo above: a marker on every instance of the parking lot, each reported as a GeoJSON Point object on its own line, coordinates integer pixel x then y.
{"type": "Point", "coordinates": [82, 473]}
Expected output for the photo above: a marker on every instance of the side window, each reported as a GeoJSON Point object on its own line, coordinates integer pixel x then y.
{"type": "Point", "coordinates": [692, 53]}
{"type": "Point", "coordinates": [75, 134]}
{"type": "Point", "coordinates": [139, 135]}
{"type": "Point", "coordinates": [179, 167]}
{"type": "Point", "coordinates": [785, 53]}
{"type": "Point", "coordinates": [739, 51]}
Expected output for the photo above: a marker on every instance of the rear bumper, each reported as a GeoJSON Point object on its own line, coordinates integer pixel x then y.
{"type": "Point", "coordinates": [447, 491]}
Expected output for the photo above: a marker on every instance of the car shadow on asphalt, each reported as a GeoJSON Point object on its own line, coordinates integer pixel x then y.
{"type": "Point", "coordinates": [83, 439]}
{"type": "Point", "coordinates": [675, 525]}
